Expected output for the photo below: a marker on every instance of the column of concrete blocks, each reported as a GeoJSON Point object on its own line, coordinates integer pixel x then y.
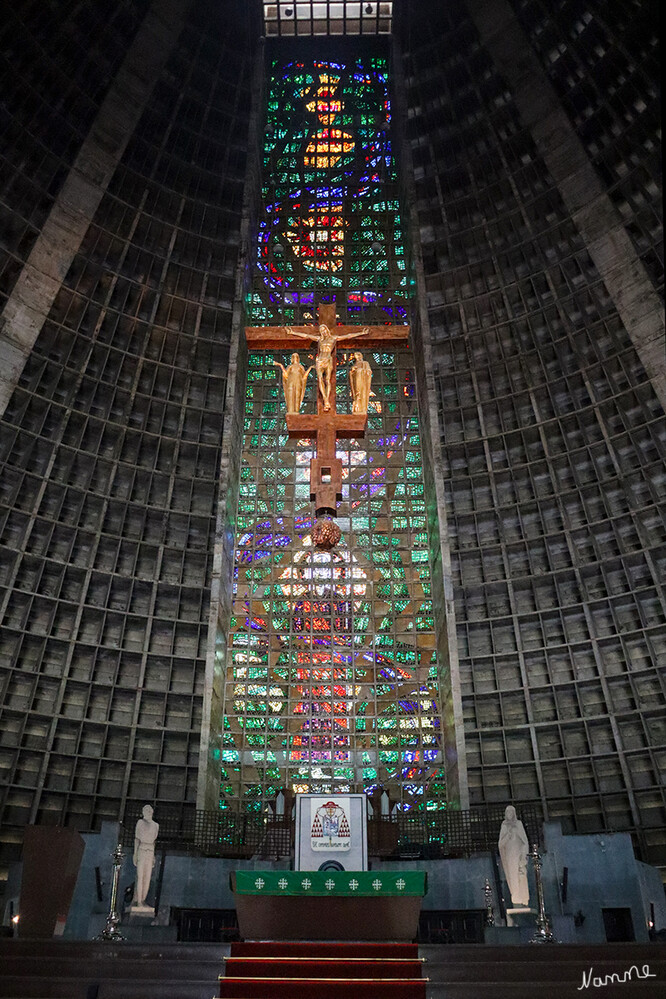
{"type": "Point", "coordinates": [111, 445]}
{"type": "Point", "coordinates": [541, 287]}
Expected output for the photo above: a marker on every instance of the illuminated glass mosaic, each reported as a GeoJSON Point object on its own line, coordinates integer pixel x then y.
{"type": "Point", "coordinates": [330, 218]}
{"type": "Point", "coordinates": [332, 683]}
{"type": "Point", "coordinates": [332, 680]}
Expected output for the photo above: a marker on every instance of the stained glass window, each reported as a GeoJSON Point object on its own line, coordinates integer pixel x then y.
{"type": "Point", "coordinates": [333, 667]}
{"type": "Point", "coordinates": [332, 678]}
{"type": "Point", "coordinates": [330, 219]}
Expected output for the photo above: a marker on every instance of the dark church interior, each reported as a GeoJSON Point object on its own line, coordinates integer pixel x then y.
{"type": "Point", "coordinates": [516, 655]}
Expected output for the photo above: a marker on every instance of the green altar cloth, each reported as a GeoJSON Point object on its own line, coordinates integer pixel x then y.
{"type": "Point", "coordinates": [331, 883]}
{"type": "Point", "coordinates": [328, 905]}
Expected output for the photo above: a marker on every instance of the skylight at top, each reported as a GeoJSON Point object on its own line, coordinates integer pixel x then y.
{"type": "Point", "coordinates": [315, 17]}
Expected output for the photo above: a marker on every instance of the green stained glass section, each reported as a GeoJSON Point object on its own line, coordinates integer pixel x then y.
{"type": "Point", "coordinates": [332, 681]}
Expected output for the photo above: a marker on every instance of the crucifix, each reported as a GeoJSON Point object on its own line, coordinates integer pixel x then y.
{"type": "Point", "coordinates": [326, 425]}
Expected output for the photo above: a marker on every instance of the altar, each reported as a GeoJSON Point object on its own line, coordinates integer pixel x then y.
{"type": "Point", "coordinates": [328, 905]}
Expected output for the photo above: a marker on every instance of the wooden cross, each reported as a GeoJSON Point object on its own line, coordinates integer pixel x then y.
{"type": "Point", "coordinates": [326, 425]}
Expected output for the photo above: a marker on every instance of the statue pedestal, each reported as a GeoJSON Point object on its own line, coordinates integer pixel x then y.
{"type": "Point", "coordinates": [142, 926]}
{"type": "Point", "coordinates": [501, 936]}
{"type": "Point", "coordinates": [142, 931]}
{"type": "Point", "coordinates": [518, 910]}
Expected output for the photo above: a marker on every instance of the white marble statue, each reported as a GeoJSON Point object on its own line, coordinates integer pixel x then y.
{"type": "Point", "coordinates": [145, 835]}
{"type": "Point", "coordinates": [513, 850]}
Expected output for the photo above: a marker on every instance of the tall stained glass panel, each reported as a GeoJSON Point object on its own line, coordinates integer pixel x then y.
{"type": "Point", "coordinates": [330, 222]}
{"type": "Point", "coordinates": [332, 679]}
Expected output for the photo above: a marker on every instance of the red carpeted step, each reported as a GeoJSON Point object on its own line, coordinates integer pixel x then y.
{"type": "Point", "coordinates": [322, 988]}
{"type": "Point", "coordinates": [321, 967]}
{"type": "Point", "coordinates": [342, 949]}
{"type": "Point", "coordinates": [328, 970]}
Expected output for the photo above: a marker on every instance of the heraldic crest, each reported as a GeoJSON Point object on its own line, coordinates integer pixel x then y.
{"type": "Point", "coordinates": [330, 827]}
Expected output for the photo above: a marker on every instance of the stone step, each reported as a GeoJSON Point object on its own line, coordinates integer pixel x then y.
{"type": "Point", "coordinates": [536, 953]}
{"type": "Point", "coordinates": [60, 969]}
{"type": "Point", "coordinates": [544, 971]}
{"type": "Point", "coordinates": [94, 949]}
{"type": "Point", "coordinates": [545, 990]}
{"type": "Point", "coordinates": [92, 970]}
{"type": "Point", "coordinates": [106, 967]}
{"type": "Point", "coordinates": [566, 972]}
{"type": "Point", "coordinates": [120, 989]}
{"type": "Point", "coordinates": [86, 987]}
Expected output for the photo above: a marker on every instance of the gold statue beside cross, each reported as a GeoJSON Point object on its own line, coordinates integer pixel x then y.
{"type": "Point", "coordinates": [326, 425]}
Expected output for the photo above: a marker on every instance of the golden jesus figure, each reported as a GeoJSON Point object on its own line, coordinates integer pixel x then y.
{"type": "Point", "coordinates": [326, 426]}
{"type": "Point", "coordinates": [324, 360]}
